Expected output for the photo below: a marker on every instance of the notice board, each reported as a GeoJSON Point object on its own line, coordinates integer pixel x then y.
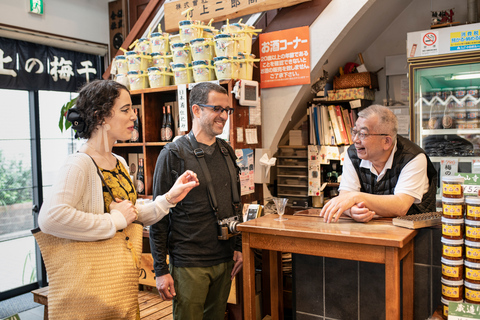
{"type": "Point", "coordinates": [285, 58]}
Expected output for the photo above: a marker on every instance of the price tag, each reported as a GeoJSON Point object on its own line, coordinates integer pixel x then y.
{"type": "Point", "coordinates": [448, 167]}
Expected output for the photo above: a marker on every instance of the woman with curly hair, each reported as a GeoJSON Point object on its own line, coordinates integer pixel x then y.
{"type": "Point", "coordinates": [82, 207]}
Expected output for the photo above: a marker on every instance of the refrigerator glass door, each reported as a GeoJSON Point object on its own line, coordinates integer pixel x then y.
{"type": "Point", "coordinates": [446, 116]}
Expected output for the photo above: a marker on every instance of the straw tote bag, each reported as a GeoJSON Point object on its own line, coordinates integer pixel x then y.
{"type": "Point", "coordinates": [93, 279]}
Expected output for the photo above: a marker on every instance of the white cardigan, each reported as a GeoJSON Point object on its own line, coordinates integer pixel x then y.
{"type": "Point", "coordinates": [75, 209]}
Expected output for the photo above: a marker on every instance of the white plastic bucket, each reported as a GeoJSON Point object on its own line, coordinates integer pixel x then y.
{"type": "Point", "coordinates": [202, 49]}
{"type": "Point", "coordinates": [245, 66]}
{"type": "Point", "coordinates": [138, 80]}
{"type": "Point", "coordinates": [244, 40]}
{"type": "Point", "coordinates": [210, 32]}
{"type": "Point", "coordinates": [121, 64]}
{"type": "Point", "coordinates": [123, 79]}
{"type": "Point", "coordinates": [138, 61]}
{"type": "Point", "coordinates": [203, 70]}
{"type": "Point", "coordinates": [182, 73]}
{"type": "Point", "coordinates": [174, 38]}
{"type": "Point", "coordinates": [226, 68]}
{"type": "Point", "coordinates": [231, 28]}
{"type": "Point", "coordinates": [190, 30]}
{"type": "Point", "coordinates": [159, 77]}
{"type": "Point", "coordinates": [159, 42]}
{"type": "Point", "coordinates": [225, 45]}
{"type": "Point", "coordinates": [144, 45]}
{"type": "Point", "coordinates": [181, 53]}
{"type": "Point", "coordinates": [161, 60]}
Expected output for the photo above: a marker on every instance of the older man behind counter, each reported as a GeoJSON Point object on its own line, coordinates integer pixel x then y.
{"type": "Point", "coordinates": [383, 173]}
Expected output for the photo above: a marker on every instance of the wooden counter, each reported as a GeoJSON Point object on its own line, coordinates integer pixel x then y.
{"type": "Point", "coordinates": [377, 241]}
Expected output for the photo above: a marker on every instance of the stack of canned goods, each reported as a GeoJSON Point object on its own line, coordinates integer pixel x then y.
{"type": "Point", "coordinates": [460, 244]}
{"type": "Point", "coordinates": [453, 224]}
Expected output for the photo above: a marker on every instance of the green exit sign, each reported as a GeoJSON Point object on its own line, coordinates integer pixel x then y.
{"type": "Point", "coordinates": [36, 6]}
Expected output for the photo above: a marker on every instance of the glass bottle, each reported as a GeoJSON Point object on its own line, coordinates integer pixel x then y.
{"type": "Point", "coordinates": [136, 129]}
{"type": "Point", "coordinates": [164, 123]}
{"type": "Point", "coordinates": [140, 178]}
{"type": "Point", "coordinates": [169, 125]}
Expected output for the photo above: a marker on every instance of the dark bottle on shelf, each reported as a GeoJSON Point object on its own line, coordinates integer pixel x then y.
{"type": "Point", "coordinates": [169, 127]}
{"type": "Point", "coordinates": [136, 133]}
{"type": "Point", "coordinates": [140, 178]}
{"type": "Point", "coordinates": [164, 123]}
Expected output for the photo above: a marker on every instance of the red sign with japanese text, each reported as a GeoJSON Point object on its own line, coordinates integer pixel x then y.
{"type": "Point", "coordinates": [285, 58]}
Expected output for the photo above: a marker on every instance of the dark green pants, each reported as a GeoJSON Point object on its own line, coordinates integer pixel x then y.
{"type": "Point", "coordinates": [202, 293]}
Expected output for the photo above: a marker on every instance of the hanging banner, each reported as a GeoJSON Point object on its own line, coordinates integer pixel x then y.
{"type": "Point", "coordinates": [29, 66]}
{"type": "Point", "coordinates": [218, 10]}
{"type": "Point", "coordinates": [285, 58]}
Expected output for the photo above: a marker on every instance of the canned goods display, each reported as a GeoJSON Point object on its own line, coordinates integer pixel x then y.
{"type": "Point", "coordinates": [452, 249]}
{"type": "Point", "coordinates": [452, 228]}
{"type": "Point", "coordinates": [472, 292]}
{"type": "Point", "coordinates": [472, 230]}
{"type": "Point", "coordinates": [452, 186]}
{"type": "Point", "coordinates": [472, 210]}
{"type": "Point", "coordinates": [452, 290]}
{"type": "Point", "coordinates": [453, 269]}
{"type": "Point", "coordinates": [453, 208]}
{"type": "Point", "coordinates": [472, 272]}
{"type": "Point", "coordinates": [472, 251]}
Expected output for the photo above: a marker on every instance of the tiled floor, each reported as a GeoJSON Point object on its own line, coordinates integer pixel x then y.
{"type": "Point", "coordinates": [32, 314]}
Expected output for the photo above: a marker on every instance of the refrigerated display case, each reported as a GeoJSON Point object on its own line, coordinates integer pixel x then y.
{"type": "Point", "coordinates": [444, 83]}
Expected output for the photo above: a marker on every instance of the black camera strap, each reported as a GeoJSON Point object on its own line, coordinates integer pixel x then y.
{"type": "Point", "coordinates": [200, 155]}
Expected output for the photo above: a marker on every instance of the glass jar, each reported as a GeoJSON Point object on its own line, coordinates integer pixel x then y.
{"type": "Point", "coordinates": [452, 290]}
{"type": "Point", "coordinates": [452, 249]}
{"type": "Point", "coordinates": [472, 230]}
{"type": "Point", "coordinates": [452, 228]}
{"type": "Point", "coordinates": [453, 208]}
{"type": "Point", "coordinates": [472, 272]}
{"type": "Point", "coordinates": [452, 269]}
{"type": "Point", "coordinates": [472, 251]}
{"type": "Point", "coordinates": [472, 292]}
{"type": "Point", "coordinates": [452, 186]}
{"type": "Point", "coordinates": [472, 205]}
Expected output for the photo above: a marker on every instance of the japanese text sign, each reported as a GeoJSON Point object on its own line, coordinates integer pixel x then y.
{"type": "Point", "coordinates": [218, 10]}
{"type": "Point", "coordinates": [463, 311]}
{"type": "Point", "coordinates": [285, 58]}
{"type": "Point", "coordinates": [31, 66]}
{"type": "Point", "coordinates": [182, 107]}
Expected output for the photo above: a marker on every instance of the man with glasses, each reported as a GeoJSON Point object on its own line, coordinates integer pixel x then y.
{"type": "Point", "coordinates": [201, 266]}
{"type": "Point", "coordinates": [383, 173]}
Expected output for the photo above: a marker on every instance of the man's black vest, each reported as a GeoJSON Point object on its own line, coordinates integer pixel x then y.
{"type": "Point", "coordinates": [406, 151]}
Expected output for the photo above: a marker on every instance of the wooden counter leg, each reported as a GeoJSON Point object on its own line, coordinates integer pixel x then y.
{"type": "Point", "coordinates": [248, 278]}
{"type": "Point", "coordinates": [276, 285]}
{"type": "Point", "coordinates": [392, 284]}
{"type": "Point", "coordinates": [408, 283]}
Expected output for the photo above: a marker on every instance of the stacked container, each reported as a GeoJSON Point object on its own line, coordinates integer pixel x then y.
{"type": "Point", "coordinates": [453, 226]}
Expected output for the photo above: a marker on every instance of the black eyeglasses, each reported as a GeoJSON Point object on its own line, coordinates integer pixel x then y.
{"type": "Point", "coordinates": [218, 109]}
{"type": "Point", "coordinates": [362, 135]}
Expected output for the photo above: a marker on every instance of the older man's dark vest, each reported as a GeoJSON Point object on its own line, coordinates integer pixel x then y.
{"type": "Point", "coordinates": [406, 151]}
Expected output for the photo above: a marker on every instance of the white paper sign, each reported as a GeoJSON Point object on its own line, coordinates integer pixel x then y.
{"type": "Point", "coordinates": [448, 167]}
{"type": "Point", "coordinates": [476, 165]}
{"type": "Point", "coordinates": [182, 107]}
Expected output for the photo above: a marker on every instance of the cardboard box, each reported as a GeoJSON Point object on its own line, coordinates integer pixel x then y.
{"type": "Point", "coordinates": [351, 94]}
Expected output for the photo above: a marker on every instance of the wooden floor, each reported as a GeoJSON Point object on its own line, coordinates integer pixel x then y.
{"type": "Point", "coordinates": [152, 307]}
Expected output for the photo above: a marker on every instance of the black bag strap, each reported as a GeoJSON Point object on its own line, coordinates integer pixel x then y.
{"type": "Point", "coordinates": [103, 179]}
{"type": "Point", "coordinates": [200, 155]}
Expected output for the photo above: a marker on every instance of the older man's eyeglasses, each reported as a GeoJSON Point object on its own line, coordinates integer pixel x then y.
{"type": "Point", "coordinates": [362, 135]}
{"type": "Point", "coordinates": [218, 109]}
